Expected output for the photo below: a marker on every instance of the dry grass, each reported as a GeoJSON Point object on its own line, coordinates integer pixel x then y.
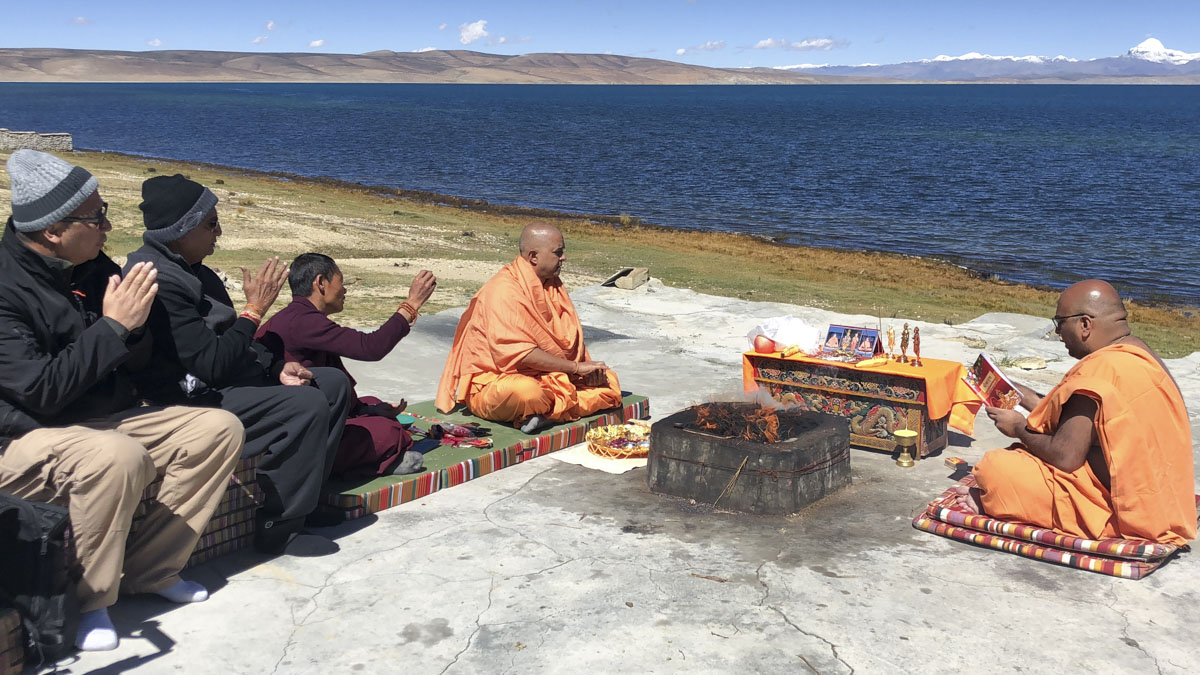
{"type": "Point", "coordinates": [382, 236]}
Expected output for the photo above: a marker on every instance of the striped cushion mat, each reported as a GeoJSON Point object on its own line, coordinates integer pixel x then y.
{"type": "Point", "coordinates": [1126, 558]}
{"type": "Point", "coordinates": [447, 467]}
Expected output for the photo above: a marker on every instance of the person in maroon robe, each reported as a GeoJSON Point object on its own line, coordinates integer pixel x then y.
{"type": "Point", "coordinates": [374, 443]}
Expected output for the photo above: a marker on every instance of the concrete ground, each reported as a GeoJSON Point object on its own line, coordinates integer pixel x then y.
{"type": "Point", "coordinates": [551, 567]}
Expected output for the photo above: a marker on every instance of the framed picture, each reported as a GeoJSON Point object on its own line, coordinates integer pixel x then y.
{"type": "Point", "coordinates": [853, 342]}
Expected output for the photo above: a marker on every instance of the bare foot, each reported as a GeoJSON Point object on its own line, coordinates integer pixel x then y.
{"type": "Point", "coordinates": [968, 499]}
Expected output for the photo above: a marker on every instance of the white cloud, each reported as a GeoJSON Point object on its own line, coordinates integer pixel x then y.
{"type": "Point", "coordinates": [270, 25]}
{"type": "Point", "coordinates": [425, 49]}
{"type": "Point", "coordinates": [505, 40]}
{"type": "Point", "coordinates": [155, 42]}
{"type": "Point", "coordinates": [316, 44]}
{"type": "Point", "coordinates": [805, 45]}
{"type": "Point", "coordinates": [470, 32]}
{"type": "Point", "coordinates": [710, 46]}
{"type": "Point", "coordinates": [442, 27]}
{"type": "Point", "coordinates": [259, 40]}
{"type": "Point", "coordinates": [81, 21]}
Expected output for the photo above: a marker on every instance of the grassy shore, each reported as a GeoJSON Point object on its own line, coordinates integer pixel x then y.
{"type": "Point", "coordinates": [381, 237]}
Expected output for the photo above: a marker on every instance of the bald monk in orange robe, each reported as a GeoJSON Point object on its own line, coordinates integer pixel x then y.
{"type": "Point", "coordinates": [518, 353]}
{"type": "Point", "coordinates": [1108, 452]}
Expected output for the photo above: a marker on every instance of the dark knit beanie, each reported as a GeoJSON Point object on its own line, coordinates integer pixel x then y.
{"type": "Point", "coordinates": [172, 206]}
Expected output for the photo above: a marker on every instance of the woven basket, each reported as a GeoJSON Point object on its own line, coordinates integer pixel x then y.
{"type": "Point", "coordinates": [599, 440]}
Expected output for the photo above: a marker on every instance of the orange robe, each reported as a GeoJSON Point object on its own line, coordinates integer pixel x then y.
{"type": "Point", "coordinates": [1146, 441]}
{"type": "Point", "coordinates": [511, 315]}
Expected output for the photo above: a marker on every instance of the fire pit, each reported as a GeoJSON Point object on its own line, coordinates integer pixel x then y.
{"type": "Point", "coordinates": [749, 458]}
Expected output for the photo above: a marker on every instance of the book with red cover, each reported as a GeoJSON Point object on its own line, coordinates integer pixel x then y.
{"type": "Point", "coordinates": [996, 390]}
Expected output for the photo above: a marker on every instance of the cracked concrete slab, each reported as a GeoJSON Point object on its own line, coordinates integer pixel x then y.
{"type": "Point", "coordinates": [551, 567]}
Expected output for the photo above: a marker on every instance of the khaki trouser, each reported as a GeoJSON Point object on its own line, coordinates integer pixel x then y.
{"type": "Point", "coordinates": [99, 469]}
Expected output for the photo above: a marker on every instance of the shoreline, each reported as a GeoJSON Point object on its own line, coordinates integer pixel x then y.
{"type": "Point", "coordinates": [381, 236]}
{"type": "Point", "coordinates": [483, 206]}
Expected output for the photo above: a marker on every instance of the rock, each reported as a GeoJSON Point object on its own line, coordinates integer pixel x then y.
{"type": "Point", "coordinates": [974, 342]}
{"type": "Point", "coordinates": [1029, 363]}
{"type": "Point", "coordinates": [628, 278]}
{"type": "Point", "coordinates": [635, 278]}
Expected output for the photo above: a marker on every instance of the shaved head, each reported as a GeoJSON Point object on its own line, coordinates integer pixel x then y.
{"type": "Point", "coordinates": [537, 234]}
{"type": "Point", "coordinates": [1091, 316]}
{"type": "Point", "coordinates": [543, 247]}
{"type": "Point", "coordinates": [1094, 297]}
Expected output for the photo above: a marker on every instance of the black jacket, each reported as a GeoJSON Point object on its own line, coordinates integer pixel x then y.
{"type": "Point", "coordinates": [197, 332]}
{"type": "Point", "coordinates": [59, 362]}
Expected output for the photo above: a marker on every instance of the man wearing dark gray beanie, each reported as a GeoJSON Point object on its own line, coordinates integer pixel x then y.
{"type": "Point", "coordinates": [205, 354]}
{"type": "Point", "coordinates": [71, 431]}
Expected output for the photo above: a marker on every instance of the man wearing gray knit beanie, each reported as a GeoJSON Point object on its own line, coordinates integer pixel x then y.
{"type": "Point", "coordinates": [71, 339]}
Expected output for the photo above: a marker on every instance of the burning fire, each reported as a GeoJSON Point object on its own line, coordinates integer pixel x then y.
{"type": "Point", "coordinates": [751, 424]}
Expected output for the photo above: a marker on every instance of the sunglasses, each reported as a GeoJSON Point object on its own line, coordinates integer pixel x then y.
{"type": "Point", "coordinates": [98, 219]}
{"type": "Point", "coordinates": [1060, 320]}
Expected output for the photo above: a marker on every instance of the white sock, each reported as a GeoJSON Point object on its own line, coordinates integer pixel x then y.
{"type": "Point", "coordinates": [184, 591]}
{"type": "Point", "coordinates": [96, 632]}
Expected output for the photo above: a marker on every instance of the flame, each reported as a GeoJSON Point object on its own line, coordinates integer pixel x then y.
{"type": "Point", "coordinates": [751, 424]}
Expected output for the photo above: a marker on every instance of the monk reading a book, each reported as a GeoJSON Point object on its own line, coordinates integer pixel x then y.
{"type": "Point", "coordinates": [1108, 452]}
{"type": "Point", "coordinates": [518, 353]}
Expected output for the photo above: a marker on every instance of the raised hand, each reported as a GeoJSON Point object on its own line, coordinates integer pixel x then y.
{"type": "Point", "coordinates": [295, 375]}
{"type": "Point", "coordinates": [262, 288]}
{"type": "Point", "coordinates": [127, 301]}
{"type": "Point", "coordinates": [422, 287]}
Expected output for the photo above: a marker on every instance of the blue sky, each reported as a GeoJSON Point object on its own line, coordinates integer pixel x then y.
{"type": "Point", "coordinates": [723, 33]}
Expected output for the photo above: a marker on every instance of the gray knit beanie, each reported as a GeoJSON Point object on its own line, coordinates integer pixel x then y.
{"type": "Point", "coordinates": [45, 189]}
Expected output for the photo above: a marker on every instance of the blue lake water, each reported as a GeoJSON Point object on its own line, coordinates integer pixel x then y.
{"type": "Point", "coordinates": [1042, 184]}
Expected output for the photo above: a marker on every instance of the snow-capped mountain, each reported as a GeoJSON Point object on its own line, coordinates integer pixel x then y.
{"type": "Point", "coordinates": [1148, 59]}
{"type": "Point", "coordinates": [1153, 50]}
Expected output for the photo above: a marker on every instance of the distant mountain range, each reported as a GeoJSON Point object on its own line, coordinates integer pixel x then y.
{"type": "Point", "coordinates": [1147, 63]}
{"type": "Point", "coordinates": [458, 67]}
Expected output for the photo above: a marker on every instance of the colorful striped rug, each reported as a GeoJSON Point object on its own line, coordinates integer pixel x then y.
{"type": "Point", "coordinates": [232, 525]}
{"type": "Point", "coordinates": [12, 642]}
{"type": "Point", "coordinates": [448, 466]}
{"type": "Point", "coordinates": [1126, 558]}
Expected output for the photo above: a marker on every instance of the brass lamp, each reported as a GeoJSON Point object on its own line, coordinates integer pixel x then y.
{"type": "Point", "coordinates": [905, 439]}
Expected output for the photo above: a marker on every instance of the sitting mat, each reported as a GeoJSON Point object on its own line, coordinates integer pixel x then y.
{"type": "Point", "coordinates": [943, 509]}
{"type": "Point", "coordinates": [1125, 558]}
{"type": "Point", "coordinates": [448, 466]}
{"type": "Point", "coordinates": [12, 641]}
{"type": "Point", "coordinates": [231, 527]}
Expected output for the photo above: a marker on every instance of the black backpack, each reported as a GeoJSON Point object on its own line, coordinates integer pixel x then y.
{"type": "Point", "coordinates": [38, 576]}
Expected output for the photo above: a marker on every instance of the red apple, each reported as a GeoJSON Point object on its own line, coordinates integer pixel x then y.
{"type": "Point", "coordinates": [764, 344]}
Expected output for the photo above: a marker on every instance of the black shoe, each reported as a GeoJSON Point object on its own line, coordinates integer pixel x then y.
{"type": "Point", "coordinates": [271, 535]}
{"type": "Point", "coordinates": [324, 516]}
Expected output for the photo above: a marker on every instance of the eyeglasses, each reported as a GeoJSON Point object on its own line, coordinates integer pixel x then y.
{"type": "Point", "coordinates": [98, 219]}
{"type": "Point", "coordinates": [1060, 320]}
{"type": "Point", "coordinates": [216, 223]}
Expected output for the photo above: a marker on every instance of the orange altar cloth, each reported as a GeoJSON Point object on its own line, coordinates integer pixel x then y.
{"type": "Point", "coordinates": [929, 398]}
